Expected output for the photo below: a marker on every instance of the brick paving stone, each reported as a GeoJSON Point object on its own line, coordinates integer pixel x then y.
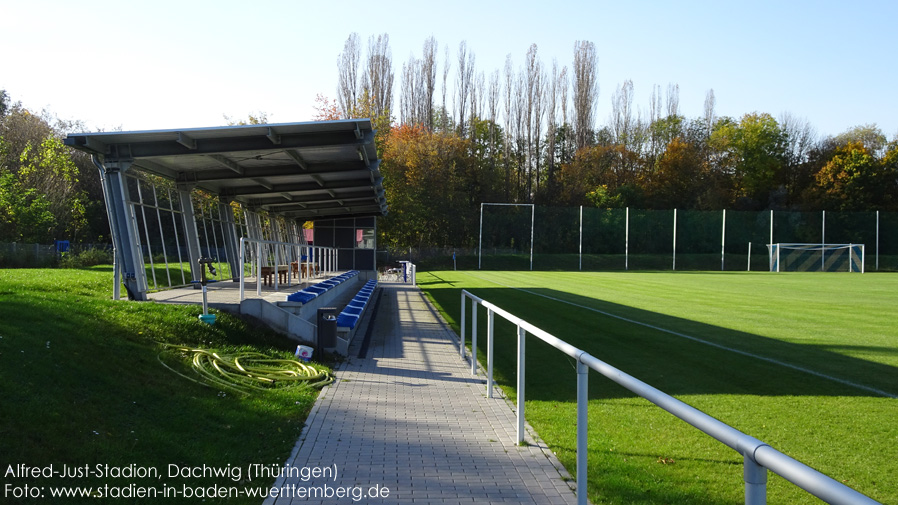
{"type": "Point", "coordinates": [409, 417]}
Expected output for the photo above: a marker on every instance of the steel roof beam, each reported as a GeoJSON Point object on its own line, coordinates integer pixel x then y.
{"type": "Point", "coordinates": [226, 162]}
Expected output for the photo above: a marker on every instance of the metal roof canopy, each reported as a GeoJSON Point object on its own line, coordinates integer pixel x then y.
{"type": "Point", "coordinates": [304, 171]}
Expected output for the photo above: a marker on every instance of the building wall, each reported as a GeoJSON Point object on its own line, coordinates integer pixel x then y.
{"type": "Point", "coordinates": [354, 238]}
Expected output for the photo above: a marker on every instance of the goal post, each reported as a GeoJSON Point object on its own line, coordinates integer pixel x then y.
{"type": "Point", "coordinates": [480, 239]}
{"type": "Point", "coordinates": [785, 257]}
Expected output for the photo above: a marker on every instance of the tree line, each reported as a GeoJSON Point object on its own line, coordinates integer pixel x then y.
{"type": "Point", "coordinates": [47, 191]}
{"type": "Point", "coordinates": [526, 133]}
{"type": "Point", "coordinates": [529, 134]}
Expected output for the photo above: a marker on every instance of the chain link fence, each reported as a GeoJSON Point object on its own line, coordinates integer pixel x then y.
{"type": "Point", "coordinates": [636, 239]}
{"type": "Point", "coordinates": [19, 255]}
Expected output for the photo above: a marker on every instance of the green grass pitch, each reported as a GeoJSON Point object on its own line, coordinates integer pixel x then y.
{"type": "Point", "coordinates": [808, 363]}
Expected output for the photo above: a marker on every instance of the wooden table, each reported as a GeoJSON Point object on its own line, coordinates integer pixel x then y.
{"type": "Point", "coordinates": [282, 271]}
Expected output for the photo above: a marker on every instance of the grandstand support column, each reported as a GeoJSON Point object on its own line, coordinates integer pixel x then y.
{"type": "Point", "coordinates": [229, 228]}
{"type": "Point", "coordinates": [192, 237]}
{"type": "Point", "coordinates": [124, 227]}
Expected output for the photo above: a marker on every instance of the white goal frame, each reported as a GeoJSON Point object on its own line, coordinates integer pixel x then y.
{"type": "Point", "coordinates": [480, 238]}
{"type": "Point", "coordinates": [775, 253]}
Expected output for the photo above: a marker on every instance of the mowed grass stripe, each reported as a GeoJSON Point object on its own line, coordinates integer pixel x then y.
{"type": "Point", "coordinates": [702, 341]}
{"type": "Point", "coordinates": [639, 454]}
{"type": "Point", "coordinates": [839, 325]}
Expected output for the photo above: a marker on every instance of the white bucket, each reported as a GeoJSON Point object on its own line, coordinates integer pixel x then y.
{"type": "Point", "coordinates": [304, 352]}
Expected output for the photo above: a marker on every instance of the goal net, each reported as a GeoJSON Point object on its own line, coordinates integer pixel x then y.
{"type": "Point", "coordinates": [816, 257]}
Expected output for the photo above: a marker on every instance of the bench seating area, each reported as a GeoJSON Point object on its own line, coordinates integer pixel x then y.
{"type": "Point", "coordinates": [347, 320]}
{"type": "Point", "coordinates": [309, 293]}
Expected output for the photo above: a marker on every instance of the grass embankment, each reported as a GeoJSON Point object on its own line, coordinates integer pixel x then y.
{"type": "Point", "coordinates": [82, 383]}
{"type": "Point", "coordinates": [840, 325]}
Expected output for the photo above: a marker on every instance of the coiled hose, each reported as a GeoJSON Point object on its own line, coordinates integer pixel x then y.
{"type": "Point", "coordinates": [245, 372]}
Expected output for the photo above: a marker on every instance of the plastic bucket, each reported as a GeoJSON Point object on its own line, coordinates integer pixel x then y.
{"type": "Point", "coordinates": [304, 352]}
{"type": "Point", "coordinates": [207, 318]}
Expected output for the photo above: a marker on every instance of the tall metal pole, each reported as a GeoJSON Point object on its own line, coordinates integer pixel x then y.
{"type": "Point", "coordinates": [723, 239]}
{"type": "Point", "coordinates": [823, 246]}
{"type": "Point", "coordinates": [627, 240]}
{"type": "Point", "coordinates": [877, 240]}
{"type": "Point", "coordinates": [480, 240]}
{"type": "Point", "coordinates": [675, 240]}
{"type": "Point", "coordinates": [532, 221]}
{"type": "Point", "coordinates": [581, 237]}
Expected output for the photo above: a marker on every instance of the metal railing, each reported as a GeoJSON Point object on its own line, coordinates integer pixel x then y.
{"type": "Point", "coordinates": [320, 259]}
{"type": "Point", "coordinates": [757, 456]}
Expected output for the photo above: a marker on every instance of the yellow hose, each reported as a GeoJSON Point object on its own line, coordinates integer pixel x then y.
{"type": "Point", "coordinates": [244, 372]}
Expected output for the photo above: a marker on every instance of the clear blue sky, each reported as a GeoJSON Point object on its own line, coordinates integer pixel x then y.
{"type": "Point", "coordinates": [178, 64]}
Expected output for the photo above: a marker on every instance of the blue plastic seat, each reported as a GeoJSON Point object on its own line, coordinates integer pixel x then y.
{"type": "Point", "coordinates": [347, 320]}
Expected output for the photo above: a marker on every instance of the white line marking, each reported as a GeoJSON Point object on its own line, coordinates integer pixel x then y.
{"type": "Point", "coordinates": [701, 341]}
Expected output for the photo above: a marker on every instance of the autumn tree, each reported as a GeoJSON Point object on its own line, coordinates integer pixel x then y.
{"type": "Point", "coordinates": [326, 109]}
{"type": "Point", "coordinates": [753, 152]}
{"type": "Point", "coordinates": [424, 176]}
{"type": "Point", "coordinates": [41, 192]}
{"type": "Point", "coordinates": [678, 179]}
{"type": "Point", "coordinates": [348, 86]}
{"type": "Point", "coordinates": [855, 179]}
{"type": "Point", "coordinates": [585, 91]}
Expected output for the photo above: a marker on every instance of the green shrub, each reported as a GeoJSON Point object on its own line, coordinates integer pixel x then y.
{"type": "Point", "coordinates": [86, 258]}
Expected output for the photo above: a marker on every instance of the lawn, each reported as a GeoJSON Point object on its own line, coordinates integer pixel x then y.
{"type": "Point", "coordinates": [814, 350]}
{"type": "Point", "coordinates": [85, 380]}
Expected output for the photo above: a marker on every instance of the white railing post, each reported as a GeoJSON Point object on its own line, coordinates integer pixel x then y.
{"type": "Point", "coordinates": [461, 345]}
{"type": "Point", "coordinates": [582, 421]}
{"type": "Point", "coordinates": [490, 338]}
{"type": "Point", "coordinates": [755, 477]}
{"type": "Point", "coordinates": [473, 337]}
{"type": "Point", "coordinates": [522, 333]}
{"type": "Point", "coordinates": [758, 457]}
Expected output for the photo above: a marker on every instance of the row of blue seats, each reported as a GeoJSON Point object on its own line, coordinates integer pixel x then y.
{"type": "Point", "coordinates": [353, 311]}
{"type": "Point", "coordinates": [306, 294]}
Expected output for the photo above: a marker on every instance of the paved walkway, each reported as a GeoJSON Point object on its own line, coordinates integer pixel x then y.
{"type": "Point", "coordinates": [409, 418]}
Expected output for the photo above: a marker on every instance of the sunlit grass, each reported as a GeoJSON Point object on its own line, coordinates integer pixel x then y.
{"type": "Point", "coordinates": [839, 325]}
{"type": "Point", "coordinates": [82, 383]}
